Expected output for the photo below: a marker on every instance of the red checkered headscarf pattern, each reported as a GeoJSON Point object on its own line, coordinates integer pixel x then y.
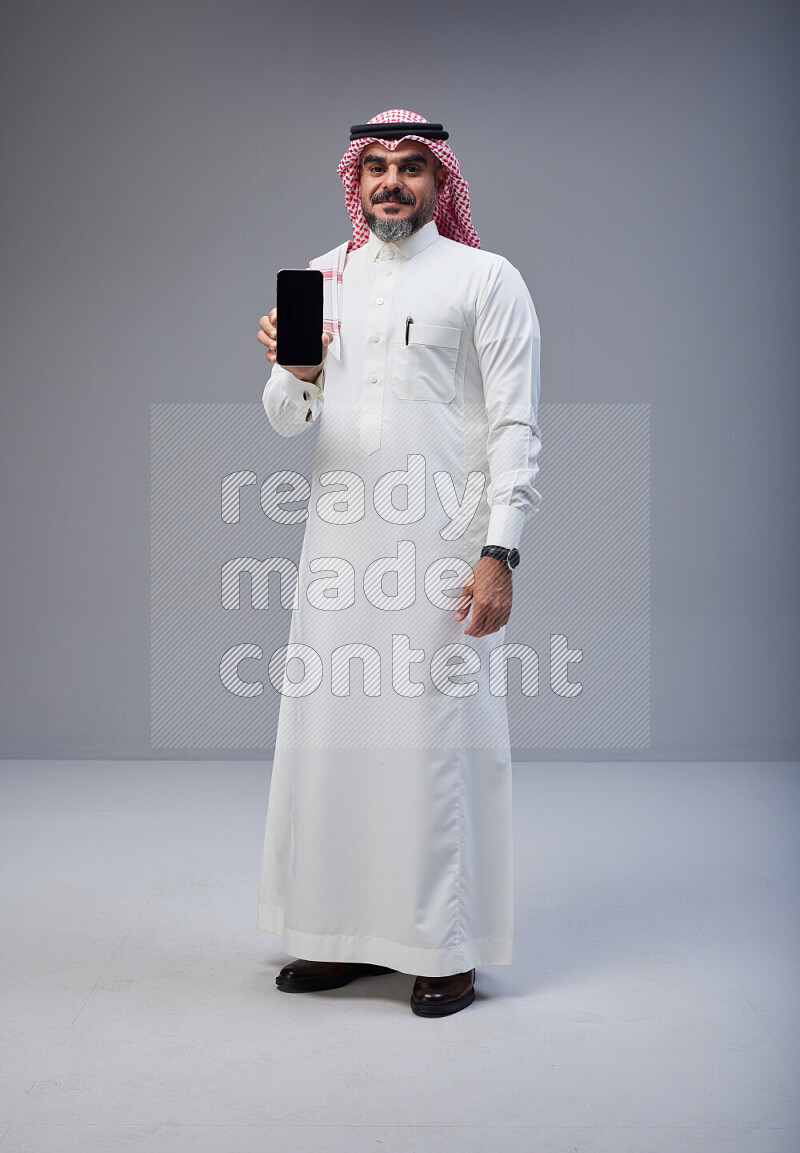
{"type": "Point", "coordinates": [452, 214]}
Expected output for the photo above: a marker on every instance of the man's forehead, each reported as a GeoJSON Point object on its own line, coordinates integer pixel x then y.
{"type": "Point", "coordinates": [403, 149]}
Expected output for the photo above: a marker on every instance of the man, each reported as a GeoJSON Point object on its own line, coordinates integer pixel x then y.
{"type": "Point", "coordinates": [388, 843]}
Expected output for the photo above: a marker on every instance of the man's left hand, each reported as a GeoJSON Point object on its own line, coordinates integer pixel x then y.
{"type": "Point", "coordinates": [488, 590]}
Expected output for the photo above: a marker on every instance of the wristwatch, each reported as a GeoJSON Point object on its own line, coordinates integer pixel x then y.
{"type": "Point", "coordinates": [509, 555]}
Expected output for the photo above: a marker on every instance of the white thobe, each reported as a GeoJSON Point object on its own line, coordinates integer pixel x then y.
{"type": "Point", "coordinates": [389, 827]}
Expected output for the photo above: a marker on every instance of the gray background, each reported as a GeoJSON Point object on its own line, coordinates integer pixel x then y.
{"type": "Point", "coordinates": [160, 162]}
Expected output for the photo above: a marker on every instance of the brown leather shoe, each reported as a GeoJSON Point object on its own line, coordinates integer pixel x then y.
{"type": "Point", "coordinates": [438, 996]}
{"type": "Point", "coordinates": [308, 976]}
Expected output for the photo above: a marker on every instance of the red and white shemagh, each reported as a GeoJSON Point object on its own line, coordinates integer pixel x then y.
{"type": "Point", "coordinates": [451, 214]}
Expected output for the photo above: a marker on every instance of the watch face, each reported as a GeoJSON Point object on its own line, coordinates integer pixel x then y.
{"type": "Point", "coordinates": [513, 558]}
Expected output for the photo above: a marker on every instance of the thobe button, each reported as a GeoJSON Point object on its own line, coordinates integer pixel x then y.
{"type": "Point", "coordinates": [376, 339]}
{"type": "Point", "coordinates": [388, 272]}
{"type": "Point", "coordinates": [373, 379]}
{"type": "Point", "coordinates": [379, 300]}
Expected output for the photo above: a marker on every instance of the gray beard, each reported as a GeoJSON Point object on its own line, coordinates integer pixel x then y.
{"type": "Point", "coordinates": [391, 229]}
{"type": "Point", "coordinates": [387, 230]}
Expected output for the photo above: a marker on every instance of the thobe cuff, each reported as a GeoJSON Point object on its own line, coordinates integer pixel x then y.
{"type": "Point", "coordinates": [505, 526]}
{"type": "Point", "coordinates": [303, 392]}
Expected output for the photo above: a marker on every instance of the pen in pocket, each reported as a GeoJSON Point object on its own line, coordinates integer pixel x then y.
{"type": "Point", "coordinates": [409, 322]}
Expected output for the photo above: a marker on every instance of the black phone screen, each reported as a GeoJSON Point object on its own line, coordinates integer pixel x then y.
{"type": "Point", "coordinates": [299, 316]}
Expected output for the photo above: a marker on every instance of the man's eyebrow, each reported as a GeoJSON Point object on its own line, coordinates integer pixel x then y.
{"type": "Point", "coordinates": [414, 158]}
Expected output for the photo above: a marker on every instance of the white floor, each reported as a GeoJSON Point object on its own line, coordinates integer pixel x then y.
{"type": "Point", "coordinates": [651, 1007]}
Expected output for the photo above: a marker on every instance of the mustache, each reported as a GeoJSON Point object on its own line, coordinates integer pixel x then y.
{"type": "Point", "coordinates": [396, 197]}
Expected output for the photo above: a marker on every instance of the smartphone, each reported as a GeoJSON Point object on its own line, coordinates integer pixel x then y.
{"type": "Point", "coordinates": [299, 316]}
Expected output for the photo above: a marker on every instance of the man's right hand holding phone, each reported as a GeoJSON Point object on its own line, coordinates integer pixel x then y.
{"type": "Point", "coordinates": [268, 335]}
{"type": "Point", "coordinates": [307, 374]}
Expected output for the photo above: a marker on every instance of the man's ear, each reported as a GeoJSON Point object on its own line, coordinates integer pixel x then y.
{"type": "Point", "coordinates": [441, 177]}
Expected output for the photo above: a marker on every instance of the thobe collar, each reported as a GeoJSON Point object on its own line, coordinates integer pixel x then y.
{"type": "Point", "coordinates": [382, 250]}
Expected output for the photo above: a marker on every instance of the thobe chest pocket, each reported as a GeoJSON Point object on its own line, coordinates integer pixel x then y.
{"type": "Point", "coordinates": [425, 367]}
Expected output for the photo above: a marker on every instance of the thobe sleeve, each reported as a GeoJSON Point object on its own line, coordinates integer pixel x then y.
{"type": "Point", "coordinates": [507, 341]}
{"type": "Point", "coordinates": [292, 405]}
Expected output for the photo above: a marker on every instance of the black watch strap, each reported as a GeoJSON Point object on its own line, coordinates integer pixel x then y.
{"type": "Point", "coordinates": [509, 556]}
